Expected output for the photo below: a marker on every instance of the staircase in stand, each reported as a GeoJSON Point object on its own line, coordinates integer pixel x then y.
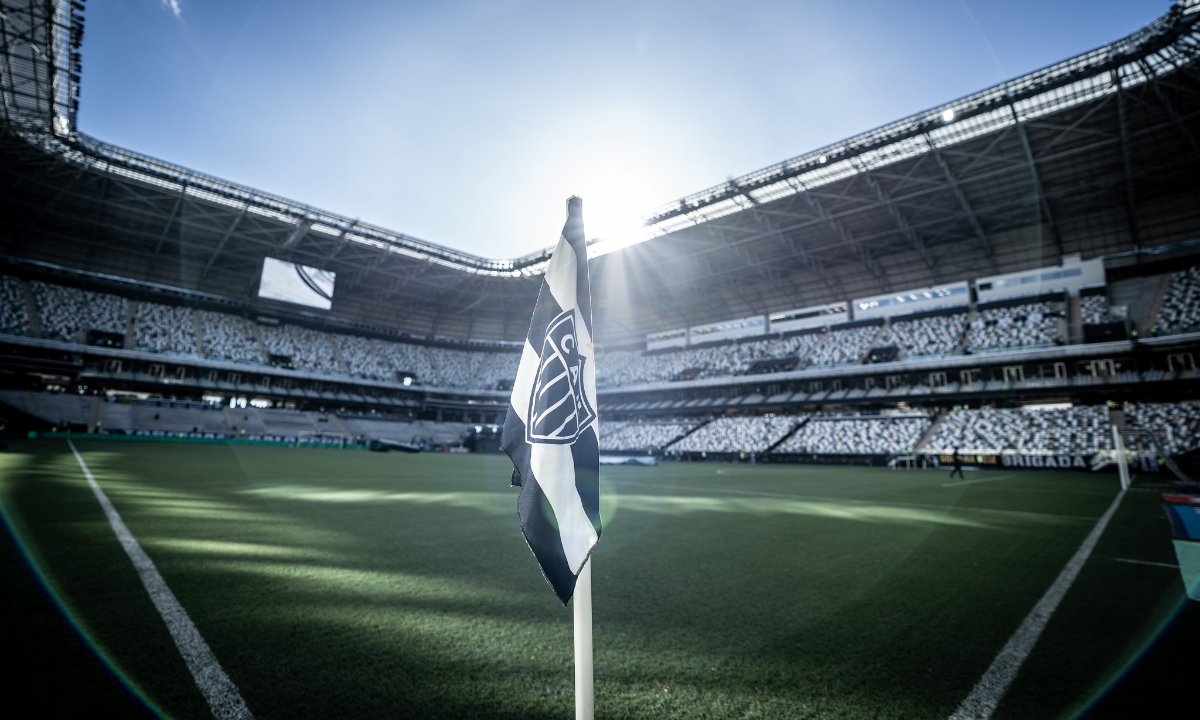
{"type": "Point", "coordinates": [689, 432]}
{"type": "Point", "coordinates": [929, 433]}
{"type": "Point", "coordinates": [803, 421]}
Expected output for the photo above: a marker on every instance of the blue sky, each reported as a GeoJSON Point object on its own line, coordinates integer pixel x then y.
{"type": "Point", "coordinates": [469, 123]}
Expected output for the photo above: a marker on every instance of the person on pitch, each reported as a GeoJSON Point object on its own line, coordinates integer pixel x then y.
{"type": "Point", "coordinates": [957, 465]}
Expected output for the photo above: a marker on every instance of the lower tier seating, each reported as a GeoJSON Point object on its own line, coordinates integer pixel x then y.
{"type": "Point", "coordinates": [1050, 431]}
{"type": "Point", "coordinates": [738, 434]}
{"type": "Point", "coordinates": [641, 436]}
{"type": "Point", "coordinates": [874, 436]}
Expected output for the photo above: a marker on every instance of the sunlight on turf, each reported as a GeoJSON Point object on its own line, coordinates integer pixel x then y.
{"type": "Point", "coordinates": [484, 501]}
{"type": "Point", "coordinates": [131, 492]}
{"type": "Point", "coordinates": [856, 512]}
{"type": "Point", "coordinates": [362, 583]}
{"type": "Point", "coordinates": [217, 547]}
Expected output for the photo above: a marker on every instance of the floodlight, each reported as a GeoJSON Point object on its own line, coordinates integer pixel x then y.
{"type": "Point", "coordinates": [947, 115]}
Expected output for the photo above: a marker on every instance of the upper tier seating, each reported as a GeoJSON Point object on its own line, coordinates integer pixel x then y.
{"type": "Point", "coordinates": [67, 312]}
{"type": "Point", "coordinates": [229, 337]}
{"type": "Point", "coordinates": [642, 436]}
{"type": "Point", "coordinates": [164, 329]}
{"type": "Point", "coordinates": [309, 349]}
{"type": "Point", "coordinates": [844, 346]}
{"type": "Point", "coordinates": [1180, 311]}
{"type": "Point", "coordinates": [411, 359]}
{"type": "Point", "coordinates": [1176, 426]}
{"type": "Point", "coordinates": [938, 335]}
{"type": "Point", "coordinates": [1053, 431]}
{"type": "Point", "coordinates": [362, 357]}
{"type": "Point", "coordinates": [737, 434]}
{"type": "Point", "coordinates": [1017, 326]}
{"type": "Point", "coordinates": [876, 436]}
{"type": "Point", "coordinates": [477, 370]}
{"type": "Point", "coordinates": [629, 367]}
{"type": "Point", "coordinates": [1093, 310]}
{"type": "Point", "coordinates": [13, 318]}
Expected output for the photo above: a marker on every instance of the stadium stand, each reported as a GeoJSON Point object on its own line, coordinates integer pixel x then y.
{"type": "Point", "coordinates": [1042, 431]}
{"type": "Point", "coordinates": [938, 335]}
{"type": "Point", "coordinates": [289, 423]}
{"type": "Point", "coordinates": [795, 346]}
{"type": "Point", "coordinates": [1025, 325]}
{"type": "Point", "coordinates": [642, 436]}
{"type": "Point", "coordinates": [1093, 310]}
{"type": "Point", "coordinates": [446, 433]}
{"type": "Point", "coordinates": [67, 312]}
{"type": "Point", "coordinates": [1180, 310]}
{"type": "Point", "coordinates": [55, 408]}
{"type": "Point", "coordinates": [844, 346]}
{"type": "Point", "coordinates": [229, 337]}
{"type": "Point", "coordinates": [371, 428]}
{"type": "Point", "coordinates": [164, 329]}
{"type": "Point", "coordinates": [362, 357]}
{"type": "Point", "coordinates": [14, 320]}
{"type": "Point", "coordinates": [851, 436]}
{"type": "Point", "coordinates": [630, 367]}
{"type": "Point", "coordinates": [627, 367]}
{"type": "Point", "coordinates": [410, 359]}
{"type": "Point", "coordinates": [1176, 426]}
{"type": "Point", "coordinates": [121, 416]}
{"type": "Point", "coordinates": [737, 434]}
{"type": "Point", "coordinates": [480, 370]}
{"type": "Point", "coordinates": [309, 349]}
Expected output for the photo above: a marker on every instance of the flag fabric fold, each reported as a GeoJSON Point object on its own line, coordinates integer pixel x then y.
{"type": "Point", "coordinates": [550, 432]}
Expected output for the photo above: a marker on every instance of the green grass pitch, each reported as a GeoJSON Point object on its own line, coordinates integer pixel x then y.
{"type": "Point", "coordinates": [352, 584]}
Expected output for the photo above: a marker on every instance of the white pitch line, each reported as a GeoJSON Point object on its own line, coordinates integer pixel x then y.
{"type": "Point", "coordinates": [972, 482]}
{"type": "Point", "coordinates": [220, 692]}
{"type": "Point", "coordinates": [1145, 562]}
{"type": "Point", "coordinates": [986, 695]}
{"type": "Point", "coordinates": [858, 501]}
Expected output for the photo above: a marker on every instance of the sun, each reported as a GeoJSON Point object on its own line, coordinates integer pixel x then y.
{"type": "Point", "coordinates": [618, 191]}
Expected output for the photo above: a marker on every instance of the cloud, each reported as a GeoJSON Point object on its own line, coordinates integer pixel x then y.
{"type": "Point", "coordinates": [174, 5]}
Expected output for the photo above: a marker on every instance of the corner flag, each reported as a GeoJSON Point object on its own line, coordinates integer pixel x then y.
{"type": "Point", "coordinates": [550, 429]}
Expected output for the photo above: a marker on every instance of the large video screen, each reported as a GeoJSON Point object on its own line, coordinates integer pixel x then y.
{"type": "Point", "coordinates": [300, 284]}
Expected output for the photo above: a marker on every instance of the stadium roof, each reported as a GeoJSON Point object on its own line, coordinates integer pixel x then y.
{"type": "Point", "coordinates": [1096, 154]}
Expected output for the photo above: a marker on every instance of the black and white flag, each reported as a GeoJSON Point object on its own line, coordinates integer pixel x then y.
{"type": "Point", "coordinates": [550, 430]}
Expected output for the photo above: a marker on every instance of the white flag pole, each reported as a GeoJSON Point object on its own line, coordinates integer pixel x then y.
{"type": "Point", "coordinates": [1122, 467]}
{"type": "Point", "coordinates": [582, 599]}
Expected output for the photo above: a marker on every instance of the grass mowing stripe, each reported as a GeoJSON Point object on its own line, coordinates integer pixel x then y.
{"type": "Point", "coordinates": [986, 695]}
{"type": "Point", "coordinates": [220, 692]}
{"type": "Point", "coordinates": [891, 503]}
{"type": "Point", "coordinates": [975, 480]}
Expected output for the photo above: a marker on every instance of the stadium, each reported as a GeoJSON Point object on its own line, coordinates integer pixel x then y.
{"type": "Point", "coordinates": [787, 367]}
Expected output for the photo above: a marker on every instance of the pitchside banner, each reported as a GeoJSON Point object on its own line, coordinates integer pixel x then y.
{"type": "Point", "coordinates": [1032, 462]}
{"type": "Point", "coordinates": [1056, 462]}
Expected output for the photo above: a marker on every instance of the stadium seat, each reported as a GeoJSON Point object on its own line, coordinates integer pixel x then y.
{"type": "Point", "coordinates": [849, 436]}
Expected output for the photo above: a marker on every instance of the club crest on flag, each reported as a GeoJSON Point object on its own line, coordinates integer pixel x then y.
{"type": "Point", "coordinates": [558, 406]}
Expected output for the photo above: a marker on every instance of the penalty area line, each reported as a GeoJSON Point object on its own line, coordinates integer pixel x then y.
{"type": "Point", "coordinates": [987, 693]}
{"type": "Point", "coordinates": [222, 695]}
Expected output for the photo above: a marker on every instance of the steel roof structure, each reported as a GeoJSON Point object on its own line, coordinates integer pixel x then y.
{"type": "Point", "coordinates": [1097, 154]}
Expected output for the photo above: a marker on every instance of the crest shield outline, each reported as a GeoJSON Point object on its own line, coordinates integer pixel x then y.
{"type": "Point", "coordinates": [558, 406]}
